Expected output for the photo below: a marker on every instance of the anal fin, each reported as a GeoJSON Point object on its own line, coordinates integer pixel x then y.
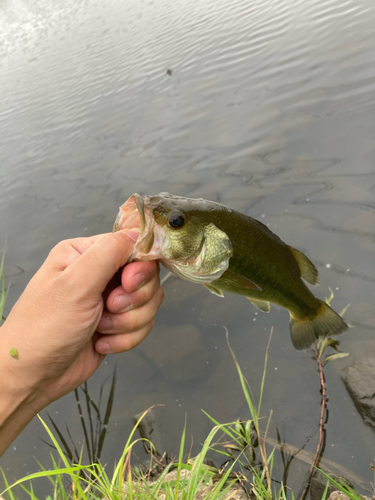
{"type": "Point", "coordinates": [262, 305]}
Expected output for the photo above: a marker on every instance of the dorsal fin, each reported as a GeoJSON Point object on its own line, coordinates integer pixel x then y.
{"type": "Point", "coordinates": [308, 271]}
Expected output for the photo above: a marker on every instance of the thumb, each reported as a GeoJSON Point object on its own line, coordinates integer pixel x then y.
{"type": "Point", "coordinates": [100, 262]}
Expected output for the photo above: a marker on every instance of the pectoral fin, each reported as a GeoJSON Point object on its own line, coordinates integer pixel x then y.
{"type": "Point", "coordinates": [239, 281]}
{"type": "Point", "coordinates": [213, 290]}
{"type": "Point", "coordinates": [263, 305]}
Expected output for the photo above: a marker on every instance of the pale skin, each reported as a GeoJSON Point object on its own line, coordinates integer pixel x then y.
{"type": "Point", "coordinates": [81, 305]}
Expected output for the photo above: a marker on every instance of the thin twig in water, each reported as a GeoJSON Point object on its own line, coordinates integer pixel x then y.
{"type": "Point", "coordinates": [166, 277]}
{"type": "Point", "coordinates": [321, 427]}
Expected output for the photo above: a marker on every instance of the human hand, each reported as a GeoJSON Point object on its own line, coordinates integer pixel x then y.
{"type": "Point", "coordinates": [73, 312]}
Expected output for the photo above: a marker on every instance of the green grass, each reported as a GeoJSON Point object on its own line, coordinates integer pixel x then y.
{"type": "Point", "coordinates": [233, 441]}
{"type": "Point", "coordinates": [192, 475]}
{"type": "Point", "coordinates": [93, 423]}
{"type": "Point", "coordinates": [124, 480]}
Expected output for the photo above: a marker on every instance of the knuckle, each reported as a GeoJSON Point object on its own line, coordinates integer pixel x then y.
{"type": "Point", "coordinates": [129, 323]}
{"type": "Point", "coordinates": [60, 246]}
{"type": "Point", "coordinates": [120, 344]}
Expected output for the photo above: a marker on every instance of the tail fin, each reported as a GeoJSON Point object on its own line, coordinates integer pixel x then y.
{"type": "Point", "coordinates": [305, 331]}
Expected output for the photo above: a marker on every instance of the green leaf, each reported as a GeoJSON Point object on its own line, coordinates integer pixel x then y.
{"type": "Point", "coordinates": [329, 300]}
{"type": "Point", "coordinates": [343, 311]}
{"type": "Point", "coordinates": [14, 353]}
{"type": "Point", "coordinates": [322, 344]}
{"type": "Point", "coordinates": [248, 430]}
{"type": "Point", "coordinates": [335, 356]}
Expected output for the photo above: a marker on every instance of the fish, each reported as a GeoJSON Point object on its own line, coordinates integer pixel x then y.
{"type": "Point", "coordinates": [227, 251]}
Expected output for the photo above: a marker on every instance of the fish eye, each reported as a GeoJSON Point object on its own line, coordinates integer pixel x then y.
{"type": "Point", "coordinates": [176, 220]}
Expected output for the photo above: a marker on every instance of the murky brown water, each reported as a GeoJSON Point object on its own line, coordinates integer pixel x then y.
{"type": "Point", "coordinates": [269, 109]}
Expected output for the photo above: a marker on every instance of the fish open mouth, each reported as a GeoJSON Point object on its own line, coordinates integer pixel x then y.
{"type": "Point", "coordinates": [136, 214]}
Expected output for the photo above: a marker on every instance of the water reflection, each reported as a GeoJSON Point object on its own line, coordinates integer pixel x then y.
{"type": "Point", "coordinates": [269, 109]}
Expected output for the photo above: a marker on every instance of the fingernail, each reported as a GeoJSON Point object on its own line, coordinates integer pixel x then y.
{"type": "Point", "coordinates": [122, 303]}
{"type": "Point", "coordinates": [105, 323]}
{"type": "Point", "coordinates": [139, 280]}
{"type": "Point", "coordinates": [102, 346]}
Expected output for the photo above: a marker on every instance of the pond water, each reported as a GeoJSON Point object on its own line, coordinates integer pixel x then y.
{"type": "Point", "coordinates": [268, 107]}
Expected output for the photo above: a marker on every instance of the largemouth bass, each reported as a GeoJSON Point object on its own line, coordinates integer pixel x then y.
{"type": "Point", "coordinates": [228, 251]}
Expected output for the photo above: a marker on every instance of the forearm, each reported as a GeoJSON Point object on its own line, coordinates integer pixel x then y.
{"type": "Point", "coordinates": [16, 411]}
{"type": "Point", "coordinates": [19, 401]}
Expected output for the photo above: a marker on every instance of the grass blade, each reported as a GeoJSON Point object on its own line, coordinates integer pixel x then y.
{"type": "Point", "coordinates": [53, 439]}
{"type": "Point", "coordinates": [264, 372]}
{"type": "Point", "coordinates": [107, 415]}
{"type": "Point", "coordinates": [75, 451]}
{"type": "Point", "coordinates": [68, 470]}
{"type": "Point", "coordinates": [344, 488]}
{"type": "Point", "coordinates": [88, 408]}
{"type": "Point", "coordinates": [180, 457]}
{"type": "Point", "coordinates": [83, 424]}
{"type": "Point", "coordinates": [61, 437]}
{"type": "Point", "coordinates": [8, 490]}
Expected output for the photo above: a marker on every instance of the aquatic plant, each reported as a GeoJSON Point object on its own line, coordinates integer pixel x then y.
{"type": "Point", "coordinates": [94, 425]}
